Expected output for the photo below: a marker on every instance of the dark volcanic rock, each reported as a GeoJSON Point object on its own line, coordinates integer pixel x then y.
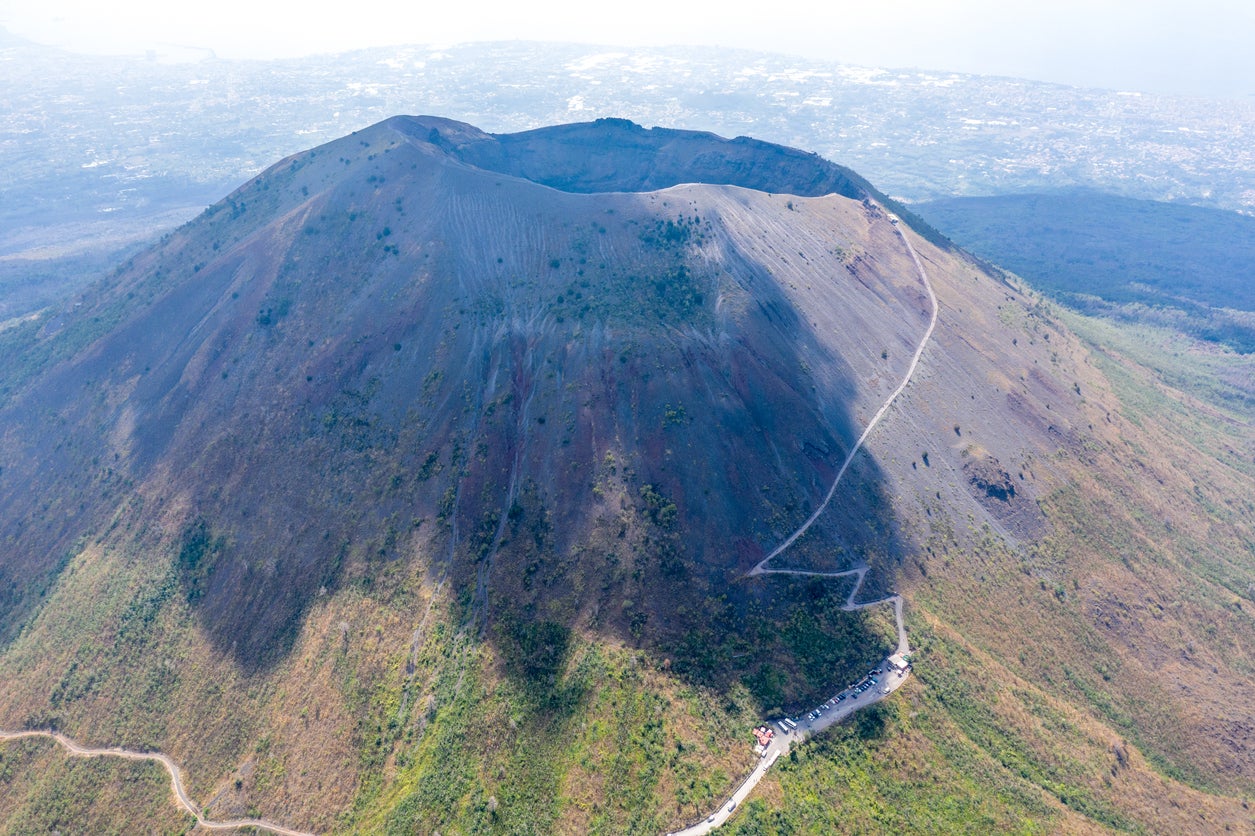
{"type": "Point", "coordinates": [987, 477]}
{"type": "Point", "coordinates": [617, 155]}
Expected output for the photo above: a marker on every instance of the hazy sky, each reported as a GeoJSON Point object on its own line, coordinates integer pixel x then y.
{"type": "Point", "coordinates": [1200, 47]}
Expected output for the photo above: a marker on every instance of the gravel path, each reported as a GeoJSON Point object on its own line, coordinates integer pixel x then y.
{"type": "Point", "coordinates": [761, 567]}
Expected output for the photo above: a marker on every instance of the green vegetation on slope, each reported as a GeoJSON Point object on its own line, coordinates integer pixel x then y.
{"type": "Point", "coordinates": [44, 790]}
{"type": "Point", "coordinates": [543, 730]}
{"type": "Point", "coordinates": [903, 766]}
{"type": "Point", "coordinates": [1167, 358]}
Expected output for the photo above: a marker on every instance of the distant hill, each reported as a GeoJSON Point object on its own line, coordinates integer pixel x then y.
{"type": "Point", "coordinates": [1086, 248]}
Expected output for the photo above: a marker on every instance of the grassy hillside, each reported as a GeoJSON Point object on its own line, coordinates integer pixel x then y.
{"type": "Point", "coordinates": [43, 791]}
{"type": "Point", "coordinates": [1096, 677]}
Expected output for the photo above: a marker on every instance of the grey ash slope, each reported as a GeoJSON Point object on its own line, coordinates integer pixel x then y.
{"type": "Point", "coordinates": [573, 403]}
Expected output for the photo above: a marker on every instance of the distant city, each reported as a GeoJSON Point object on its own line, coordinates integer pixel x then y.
{"type": "Point", "coordinates": [99, 153]}
{"type": "Point", "coordinates": [109, 134]}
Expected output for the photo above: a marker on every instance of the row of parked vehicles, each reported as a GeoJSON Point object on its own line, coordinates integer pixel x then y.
{"type": "Point", "coordinates": [852, 692]}
{"type": "Point", "coordinates": [866, 683]}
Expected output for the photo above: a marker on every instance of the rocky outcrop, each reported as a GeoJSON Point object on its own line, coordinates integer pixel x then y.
{"type": "Point", "coordinates": [987, 479]}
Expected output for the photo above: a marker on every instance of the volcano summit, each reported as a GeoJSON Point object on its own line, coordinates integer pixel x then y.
{"type": "Point", "coordinates": [564, 392]}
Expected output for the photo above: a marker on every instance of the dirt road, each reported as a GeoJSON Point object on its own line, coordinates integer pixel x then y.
{"type": "Point", "coordinates": [176, 780]}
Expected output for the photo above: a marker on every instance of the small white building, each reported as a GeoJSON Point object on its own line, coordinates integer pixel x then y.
{"type": "Point", "coordinates": [898, 662]}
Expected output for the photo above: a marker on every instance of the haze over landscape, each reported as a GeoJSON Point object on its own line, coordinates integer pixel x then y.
{"type": "Point", "coordinates": [1199, 49]}
{"type": "Point", "coordinates": [489, 430]}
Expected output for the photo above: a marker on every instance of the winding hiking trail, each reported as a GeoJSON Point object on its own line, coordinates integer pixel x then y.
{"type": "Point", "coordinates": [176, 781]}
{"type": "Point", "coordinates": [760, 567]}
{"type": "Point", "coordinates": [894, 677]}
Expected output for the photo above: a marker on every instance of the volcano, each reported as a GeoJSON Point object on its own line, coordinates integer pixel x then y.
{"type": "Point", "coordinates": [429, 451]}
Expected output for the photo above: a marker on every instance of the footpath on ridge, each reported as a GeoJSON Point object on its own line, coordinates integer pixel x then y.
{"type": "Point", "coordinates": [894, 672]}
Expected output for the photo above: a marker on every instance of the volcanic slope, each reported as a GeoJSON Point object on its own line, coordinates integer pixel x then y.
{"type": "Point", "coordinates": [291, 371]}
{"type": "Point", "coordinates": [413, 487]}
